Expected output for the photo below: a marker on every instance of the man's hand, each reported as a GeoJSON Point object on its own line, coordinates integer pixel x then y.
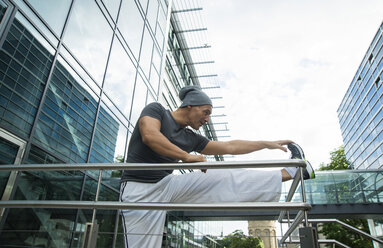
{"type": "Point", "coordinates": [279, 144]}
{"type": "Point", "coordinates": [190, 158]}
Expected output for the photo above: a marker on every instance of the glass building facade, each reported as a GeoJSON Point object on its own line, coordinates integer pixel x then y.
{"type": "Point", "coordinates": [360, 113]}
{"type": "Point", "coordinates": [74, 76]}
{"type": "Point", "coordinates": [361, 116]}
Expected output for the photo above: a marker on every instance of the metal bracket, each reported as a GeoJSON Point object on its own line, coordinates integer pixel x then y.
{"type": "Point", "coordinates": [90, 235]}
{"type": "Point", "coordinates": [308, 237]}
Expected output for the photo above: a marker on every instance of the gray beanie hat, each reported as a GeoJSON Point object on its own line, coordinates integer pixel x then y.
{"type": "Point", "coordinates": [193, 96]}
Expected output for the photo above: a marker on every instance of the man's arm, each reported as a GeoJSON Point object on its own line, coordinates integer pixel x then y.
{"type": "Point", "coordinates": [151, 136]}
{"type": "Point", "coordinates": [235, 147]}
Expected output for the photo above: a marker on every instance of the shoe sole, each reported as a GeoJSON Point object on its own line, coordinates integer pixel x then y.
{"type": "Point", "coordinates": [308, 172]}
{"type": "Point", "coordinates": [294, 145]}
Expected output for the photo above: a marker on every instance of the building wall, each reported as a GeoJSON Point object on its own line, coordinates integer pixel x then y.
{"type": "Point", "coordinates": [74, 76]}
{"type": "Point", "coordinates": [361, 116]}
{"type": "Point", "coordinates": [266, 230]}
{"type": "Point", "coordinates": [360, 113]}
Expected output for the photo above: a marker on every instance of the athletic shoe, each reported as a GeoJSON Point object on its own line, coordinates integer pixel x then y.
{"type": "Point", "coordinates": [297, 153]}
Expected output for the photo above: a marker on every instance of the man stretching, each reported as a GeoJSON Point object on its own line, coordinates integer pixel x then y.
{"type": "Point", "coordinates": [161, 136]}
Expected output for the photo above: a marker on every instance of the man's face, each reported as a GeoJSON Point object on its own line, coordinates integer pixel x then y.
{"type": "Point", "coordinates": [199, 115]}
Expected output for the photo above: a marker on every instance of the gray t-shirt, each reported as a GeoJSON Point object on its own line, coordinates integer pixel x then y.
{"type": "Point", "coordinates": [138, 152]}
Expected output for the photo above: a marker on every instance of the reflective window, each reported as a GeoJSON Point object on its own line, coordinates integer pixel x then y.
{"type": "Point", "coordinates": [154, 79]}
{"type": "Point", "coordinates": [112, 7]}
{"type": "Point", "coordinates": [89, 36]}
{"type": "Point", "coordinates": [77, 71]}
{"type": "Point", "coordinates": [37, 227]}
{"type": "Point", "coordinates": [66, 122]}
{"type": "Point", "coordinates": [3, 9]}
{"type": "Point", "coordinates": [152, 14]}
{"type": "Point", "coordinates": [146, 53]}
{"type": "Point", "coordinates": [139, 100]}
{"type": "Point", "coordinates": [36, 21]}
{"type": "Point", "coordinates": [33, 227]}
{"type": "Point", "coordinates": [53, 12]}
{"type": "Point", "coordinates": [160, 37]}
{"type": "Point", "coordinates": [120, 75]}
{"type": "Point", "coordinates": [144, 4]}
{"type": "Point", "coordinates": [8, 152]}
{"type": "Point", "coordinates": [24, 67]}
{"type": "Point", "coordinates": [107, 221]}
{"type": "Point", "coordinates": [110, 137]}
{"type": "Point", "coordinates": [156, 60]}
{"type": "Point", "coordinates": [131, 25]}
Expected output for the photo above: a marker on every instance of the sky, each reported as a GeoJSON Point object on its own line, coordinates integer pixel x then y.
{"type": "Point", "coordinates": [285, 66]}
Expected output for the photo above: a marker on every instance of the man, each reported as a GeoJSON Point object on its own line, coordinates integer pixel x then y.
{"type": "Point", "coordinates": [161, 136]}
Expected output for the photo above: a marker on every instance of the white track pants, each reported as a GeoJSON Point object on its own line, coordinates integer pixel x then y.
{"type": "Point", "coordinates": [145, 228]}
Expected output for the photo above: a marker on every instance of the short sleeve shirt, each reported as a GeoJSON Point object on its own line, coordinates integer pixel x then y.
{"type": "Point", "coordinates": [138, 152]}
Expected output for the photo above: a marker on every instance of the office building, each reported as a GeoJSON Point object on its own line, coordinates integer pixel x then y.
{"type": "Point", "coordinates": [74, 76]}
{"type": "Point", "coordinates": [360, 113]}
{"type": "Point", "coordinates": [361, 117]}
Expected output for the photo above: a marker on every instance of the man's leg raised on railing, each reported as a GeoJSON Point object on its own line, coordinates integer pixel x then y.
{"type": "Point", "coordinates": [144, 228]}
{"type": "Point", "coordinates": [163, 136]}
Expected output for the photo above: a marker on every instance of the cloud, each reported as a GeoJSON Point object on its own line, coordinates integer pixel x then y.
{"type": "Point", "coordinates": [306, 63]}
{"type": "Point", "coordinates": [287, 65]}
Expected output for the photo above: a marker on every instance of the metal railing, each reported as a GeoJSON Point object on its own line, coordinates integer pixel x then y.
{"type": "Point", "coordinates": [341, 223]}
{"type": "Point", "coordinates": [322, 241]}
{"type": "Point", "coordinates": [303, 207]}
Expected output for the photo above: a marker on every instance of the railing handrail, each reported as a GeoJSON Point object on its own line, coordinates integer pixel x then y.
{"type": "Point", "coordinates": [321, 241]}
{"type": "Point", "coordinates": [157, 166]}
{"type": "Point", "coordinates": [225, 206]}
{"type": "Point", "coordinates": [258, 206]}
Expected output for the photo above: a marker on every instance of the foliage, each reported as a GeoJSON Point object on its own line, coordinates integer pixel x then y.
{"type": "Point", "coordinates": [118, 173]}
{"type": "Point", "coordinates": [352, 239]}
{"type": "Point", "coordinates": [338, 161]}
{"type": "Point", "coordinates": [238, 239]}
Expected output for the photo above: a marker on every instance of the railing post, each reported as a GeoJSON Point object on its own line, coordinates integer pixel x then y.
{"type": "Point", "coordinates": [116, 228]}
{"type": "Point", "coordinates": [90, 235]}
{"type": "Point", "coordinates": [90, 240]}
{"type": "Point", "coordinates": [308, 237]}
{"type": "Point", "coordinates": [303, 195]}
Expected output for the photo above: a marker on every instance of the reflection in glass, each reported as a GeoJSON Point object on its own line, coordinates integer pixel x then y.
{"type": "Point", "coordinates": [146, 53]}
{"type": "Point", "coordinates": [112, 7]}
{"type": "Point", "coordinates": [47, 227]}
{"type": "Point", "coordinates": [38, 227]}
{"type": "Point", "coordinates": [3, 9]}
{"type": "Point", "coordinates": [144, 4]}
{"type": "Point", "coordinates": [154, 79]}
{"type": "Point", "coordinates": [120, 75]}
{"type": "Point", "coordinates": [342, 187]}
{"type": "Point", "coordinates": [88, 36]}
{"type": "Point", "coordinates": [65, 124]}
{"type": "Point", "coordinates": [106, 220]}
{"type": "Point", "coordinates": [53, 12]}
{"type": "Point", "coordinates": [139, 100]}
{"type": "Point", "coordinates": [8, 152]}
{"type": "Point", "coordinates": [160, 38]}
{"type": "Point", "coordinates": [110, 137]}
{"type": "Point", "coordinates": [130, 24]}
{"type": "Point", "coordinates": [24, 65]}
{"type": "Point", "coordinates": [151, 16]}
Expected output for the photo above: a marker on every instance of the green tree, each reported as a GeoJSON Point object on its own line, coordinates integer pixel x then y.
{"type": "Point", "coordinates": [238, 239]}
{"type": "Point", "coordinates": [338, 161]}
